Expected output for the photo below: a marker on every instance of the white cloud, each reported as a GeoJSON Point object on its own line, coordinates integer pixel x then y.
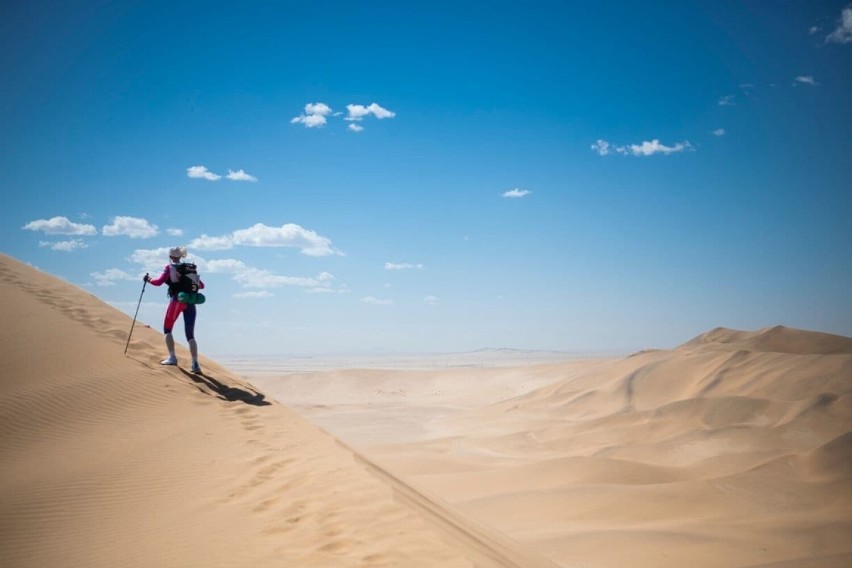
{"type": "Point", "coordinates": [430, 300]}
{"type": "Point", "coordinates": [376, 301]}
{"type": "Point", "coordinates": [402, 266]}
{"type": "Point", "coordinates": [646, 148]}
{"type": "Point", "coordinates": [60, 226]}
{"type": "Point", "coordinates": [355, 128]}
{"type": "Point", "coordinates": [205, 242]}
{"type": "Point", "coordinates": [806, 80]}
{"type": "Point", "coordinates": [601, 147]}
{"type": "Point", "coordinates": [174, 232]}
{"type": "Point", "coordinates": [655, 147]}
{"type": "Point", "coordinates": [719, 132]}
{"type": "Point", "coordinates": [133, 227]}
{"type": "Point", "coordinates": [257, 294]}
{"type": "Point", "coordinates": [202, 172]}
{"type": "Point", "coordinates": [260, 235]}
{"type": "Point", "coordinates": [251, 277]}
{"type": "Point", "coordinates": [227, 266]}
{"type": "Point", "coordinates": [240, 175]}
{"type": "Point", "coordinates": [65, 246]}
{"type": "Point", "coordinates": [317, 108]}
{"type": "Point", "coordinates": [314, 115]}
{"type": "Point", "coordinates": [843, 33]}
{"type": "Point", "coordinates": [110, 276]}
{"type": "Point", "coordinates": [380, 112]}
{"type": "Point", "coordinates": [516, 193]}
{"type": "Point", "coordinates": [814, 29]}
{"type": "Point", "coordinates": [727, 100]}
{"type": "Point", "coordinates": [151, 259]}
{"type": "Point", "coordinates": [358, 112]}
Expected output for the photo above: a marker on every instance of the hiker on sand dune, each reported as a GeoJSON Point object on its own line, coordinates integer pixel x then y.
{"type": "Point", "coordinates": [184, 283]}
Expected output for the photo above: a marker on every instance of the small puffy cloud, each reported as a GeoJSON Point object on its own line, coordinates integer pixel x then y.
{"type": "Point", "coordinates": [260, 235]}
{"type": "Point", "coordinates": [843, 32]}
{"type": "Point", "coordinates": [430, 300]}
{"type": "Point", "coordinates": [240, 175]}
{"type": "Point", "coordinates": [174, 232]}
{"type": "Point", "coordinates": [133, 227]}
{"type": "Point", "coordinates": [355, 128]}
{"type": "Point", "coordinates": [516, 193]}
{"type": "Point", "coordinates": [314, 115]}
{"type": "Point", "coordinates": [201, 172]}
{"type": "Point", "coordinates": [814, 30]}
{"type": "Point", "coordinates": [376, 301]}
{"type": "Point", "coordinates": [110, 276]}
{"type": "Point", "coordinates": [358, 112]}
{"type": "Point", "coordinates": [317, 108]}
{"type": "Point", "coordinates": [719, 132]}
{"type": "Point", "coordinates": [601, 147]}
{"type": "Point", "coordinates": [402, 266]}
{"type": "Point", "coordinates": [60, 226]}
{"type": "Point", "coordinates": [727, 100]}
{"type": "Point", "coordinates": [806, 80]}
{"type": "Point", "coordinates": [64, 246]}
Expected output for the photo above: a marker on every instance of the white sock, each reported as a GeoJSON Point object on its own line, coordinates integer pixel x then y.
{"type": "Point", "coordinates": [170, 345]}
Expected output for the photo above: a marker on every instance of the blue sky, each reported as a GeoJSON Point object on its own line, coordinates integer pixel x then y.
{"type": "Point", "coordinates": [446, 176]}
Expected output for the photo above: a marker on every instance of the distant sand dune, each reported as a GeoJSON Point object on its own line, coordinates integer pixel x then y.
{"type": "Point", "coordinates": [731, 450]}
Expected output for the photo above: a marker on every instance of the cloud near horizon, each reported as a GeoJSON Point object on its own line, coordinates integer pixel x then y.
{"type": "Point", "coordinates": [109, 276]}
{"type": "Point", "coordinates": [132, 227]}
{"type": "Point", "coordinates": [260, 235]}
{"type": "Point", "coordinates": [251, 277]}
{"type": "Point", "coordinates": [376, 301]}
{"type": "Point", "coordinates": [64, 246]}
{"type": "Point", "coordinates": [402, 266]}
{"type": "Point", "coordinates": [60, 225]}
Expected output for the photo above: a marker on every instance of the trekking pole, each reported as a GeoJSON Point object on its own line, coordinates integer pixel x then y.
{"type": "Point", "coordinates": [144, 282]}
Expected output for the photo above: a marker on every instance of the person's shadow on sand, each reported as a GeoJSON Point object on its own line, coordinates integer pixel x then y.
{"type": "Point", "coordinates": [231, 394]}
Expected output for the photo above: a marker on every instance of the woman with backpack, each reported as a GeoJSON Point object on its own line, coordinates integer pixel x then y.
{"type": "Point", "coordinates": [184, 283]}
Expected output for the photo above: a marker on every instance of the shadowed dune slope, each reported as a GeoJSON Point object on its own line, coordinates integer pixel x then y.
{"type": "Point", "coordinates": [107, 460]}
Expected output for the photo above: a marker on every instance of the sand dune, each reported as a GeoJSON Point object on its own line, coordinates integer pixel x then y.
{"type": "Point", "coordinates": [731, 450]}
{"type": "Point", "coordinates": [107, 460]}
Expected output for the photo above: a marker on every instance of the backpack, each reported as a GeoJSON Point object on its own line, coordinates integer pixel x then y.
{"type": "Point", "coordinates": [183, 283]}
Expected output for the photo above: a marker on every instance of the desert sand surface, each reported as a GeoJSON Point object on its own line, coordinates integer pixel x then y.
{"type": "Point", "coordinates": [110, 460]}
{"type": "Point", "coordinates": [732, 450]}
